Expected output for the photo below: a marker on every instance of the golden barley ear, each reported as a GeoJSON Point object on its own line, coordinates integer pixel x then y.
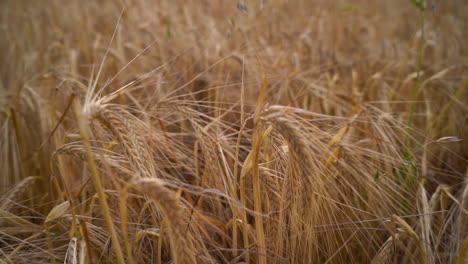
{"type": "Point", "coordinates": [181, 242]}
{"type": "Point", "coordinates": [127, 129]}
{"type": "Point", "coordinates": [13, 195]}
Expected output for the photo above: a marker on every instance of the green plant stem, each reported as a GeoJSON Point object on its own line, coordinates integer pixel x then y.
{"type": "Point", "coordinates": [417, 84]}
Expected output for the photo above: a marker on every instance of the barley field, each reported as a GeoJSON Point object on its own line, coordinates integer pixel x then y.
{"type": "Point", "coordinates": [263, 131]}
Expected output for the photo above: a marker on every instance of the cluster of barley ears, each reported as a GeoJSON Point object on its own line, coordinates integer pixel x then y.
{"type": "Point", "coordinates": [213, 132]}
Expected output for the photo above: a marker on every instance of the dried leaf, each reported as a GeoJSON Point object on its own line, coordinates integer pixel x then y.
{"type": "Point", "coordinates": [448, 139]}
{"type": "Point", "coordinates": [247, 166]}
{"type": "Point", "coordinates": [58, 211]}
